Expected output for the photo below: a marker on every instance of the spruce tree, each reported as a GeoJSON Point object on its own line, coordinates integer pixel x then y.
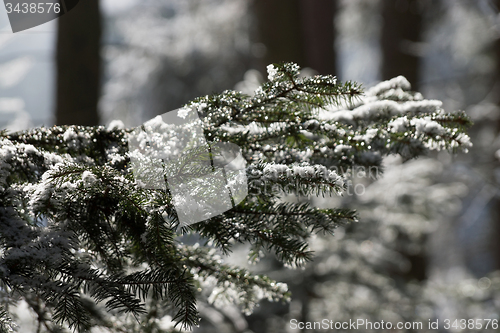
{"type": "Point", "coordinates": [85, 244]}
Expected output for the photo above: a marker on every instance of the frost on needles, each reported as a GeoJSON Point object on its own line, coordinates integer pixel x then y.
{"type": "Point", "coordinates": [85, 246]}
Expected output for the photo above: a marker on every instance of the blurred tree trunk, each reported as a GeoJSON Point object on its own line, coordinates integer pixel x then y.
{"type": "Point", "coordinates": [401, 33]}
{"type": "Point", "coordinates": [299, 31]}
{"type": "Point", "coordinates": [78, 65]}
{"type": "Point", "coordinates": [278, 29]}
{"type": "Point", "coordinates": [318, 34]}
{"type": "Point", "coordinates": [496, 199]}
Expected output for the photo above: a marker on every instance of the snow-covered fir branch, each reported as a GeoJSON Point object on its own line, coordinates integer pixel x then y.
{"type": "Point", "coordinates": [76, 220]}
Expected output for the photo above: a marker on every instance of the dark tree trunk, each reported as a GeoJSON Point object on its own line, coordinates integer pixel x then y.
{"type": "Point", "coordinates": [300, 31]}
{"type": "Point", "coordinates": [78, 65]}
{"type": "Point", "coordinates": [278, 28]}
{"type": "Point", "coordinates": [401, 30]}
{"type": "Point", "coordinates": [318, 34]}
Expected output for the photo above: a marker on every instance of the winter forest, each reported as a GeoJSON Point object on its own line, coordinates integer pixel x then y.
{"type": "Point", "coordinates": [363, 145]}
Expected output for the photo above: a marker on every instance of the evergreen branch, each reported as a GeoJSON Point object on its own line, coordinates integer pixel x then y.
{"type": "Point", "coordinates": [6, 323]}
{"type": "Point", "coordinates": [69, 309]}
{"type": "Point", "coordinates": [295, 132]}
{"type": "Point", "coordinates": [287, 89]}
{"type": "Point", "coordinates": [206, 263]}
{"type": "Point", "coordinates": [290, 248]}
{"type": "Point", "coordinates": [301, 179]}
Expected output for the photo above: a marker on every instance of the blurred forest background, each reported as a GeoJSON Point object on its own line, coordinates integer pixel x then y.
{"type": "Point", "coordinates": [426, 246]}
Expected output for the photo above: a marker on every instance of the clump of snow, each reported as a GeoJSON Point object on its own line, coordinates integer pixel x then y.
{"type": "Point", "coordinates": [340, 148]}
{"type": "Point", "coordinates": [183, 112]}
{"type": "Point", "coordinates": [88, 178]}
{"type": "Point", "coordinates": [427, 126]}
{"type": "Point", "coordinates": [116, 124]}
{"type": "Point", "coordinates": [28, 148]}
{"type": "Point", "coordinates": [271, 72]}
{"type": "Point", "coordinates": [397, 82]}
{"type": "Point", "coordinates": [368, 136]}
{"type": "Point", "coordinates": [69, 134]}
{"type": "Point", "coordinates": [398, 125]}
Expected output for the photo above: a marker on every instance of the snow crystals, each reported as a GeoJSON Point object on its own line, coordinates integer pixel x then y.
{"type": "Point", "coordinates": [69, 134]}
{"type": "Point", "coordinates": [88, 178]}
{"type": "Point", "coordinates": [427, 126]}
{"type": "Point", "coordinates": [183, 112]}
{"type": "Point", "coordinates": [116, 124]}
{"type": "Point", "coordinates": [398, 125]}
{"type": "Point", "coordinates": [397, 82]}
{"type": "Point", "coordinates": [271, 71]}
